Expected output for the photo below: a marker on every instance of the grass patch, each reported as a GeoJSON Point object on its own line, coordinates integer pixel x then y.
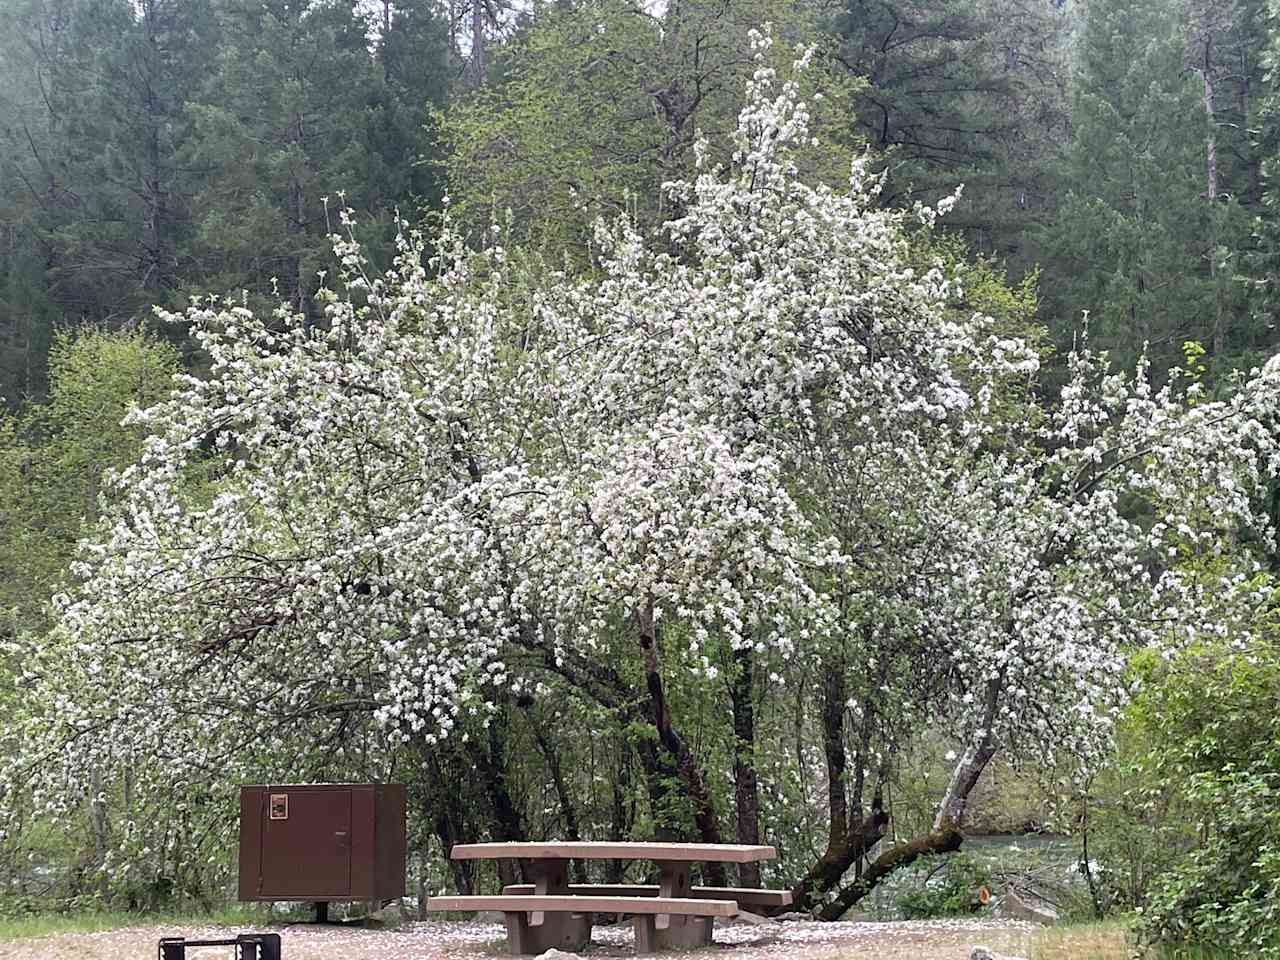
{"type": "Point", "coordinates": [1110, 941]}
{"type": "Point", "coordinates": [51, 924]}
{"type": "Point", "coordinates": [1084, 941]}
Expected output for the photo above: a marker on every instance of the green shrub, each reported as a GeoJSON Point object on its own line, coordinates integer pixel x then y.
{"type": "Point", "coordinates": [1227, 890]}
{"type": "Point", "coordinates": [1215, 732]}
{"type": "Point", "coordinates": [949, 888]}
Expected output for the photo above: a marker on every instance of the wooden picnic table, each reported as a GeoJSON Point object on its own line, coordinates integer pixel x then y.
{"type": "Point", "coordinates": [551, 912]}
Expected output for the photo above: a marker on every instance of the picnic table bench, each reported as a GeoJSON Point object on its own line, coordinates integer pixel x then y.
{"type": "Point", "coordinates": [551, 912]}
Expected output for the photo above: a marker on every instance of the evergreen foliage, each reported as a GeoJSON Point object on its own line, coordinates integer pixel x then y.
{"type": "Point", "coordinates": [1138, 244]}
{"type": "Point", "coordinates": [166, 148]}
{"type": "Point", "coordinates": [970, 92]}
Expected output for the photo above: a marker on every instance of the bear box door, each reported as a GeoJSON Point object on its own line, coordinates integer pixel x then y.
{"type": "Point", "coordinates": [306, 843]}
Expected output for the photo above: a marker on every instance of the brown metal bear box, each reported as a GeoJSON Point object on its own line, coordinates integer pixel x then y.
{"type": "Point", "coordinates": [322, 842]}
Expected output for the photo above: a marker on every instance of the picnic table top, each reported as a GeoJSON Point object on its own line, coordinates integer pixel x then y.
{"type": "Point", "coordinates": [619, 850]}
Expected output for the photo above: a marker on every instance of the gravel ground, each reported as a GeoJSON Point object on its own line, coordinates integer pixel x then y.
{"type": "Point", "coordinates": [453, 940]}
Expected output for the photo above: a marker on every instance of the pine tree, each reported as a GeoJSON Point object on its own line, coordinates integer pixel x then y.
{"type": "Point", "coordinates": [1158, 181]}
{"type": "Point", "coordinates": [968, 92]}
{"type": "Point", "coordinates": [297, 110]}
{"type": "Point", "coordinates": [96, 205]}
{"type": "Point", "coordinates": [413, 55]}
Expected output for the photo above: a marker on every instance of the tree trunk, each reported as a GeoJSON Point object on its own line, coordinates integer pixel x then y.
{"type": "Point", "coordinates": [567, 810]}
{"type": "Point", "coordinates": [297, 219]}
{"type": "Point", "coordinates": [506, 822]}
{"type": "Point", "coordinates": [450, 817]}
{"type": "Point", "coordinates": [746, 786]}
{"type": "Point", "coordinates": [945, 837]}
{"type": "Point", "coordinates": [849, 837]}
{"type": "Point", "coordinates": [687, 767]}
{"type": "Point", "coordinates": [599, 682]}
{"type": "Point", "coordinates": [1211, 139]}
{"type": "Point", "coordinates": [386, 35]}
{"type": "Point", "coordinates": [477, 64]}
{"type": "Point", "coordinates": [622, 814]}
{"type": "Point", "coordinates": [830, 867]}
{"type": "Point", "coordinates": [153, 179]}
{"type": "Point", "coordinates": [977, 755]}
{"type": "Point", "coordinates": [98, 817]}
{"type": "Point", "coordinates": [895, 858]}
{"type": "Point", "coordinates": [422, 882]}
{"type": "Point", "coordinates": [1254, 161]}
{"type": "Point", "coordinates": [1219, 335]}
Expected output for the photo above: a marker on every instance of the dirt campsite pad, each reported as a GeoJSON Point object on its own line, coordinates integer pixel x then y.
{"type": "Point", "coordinates": [455, 940]}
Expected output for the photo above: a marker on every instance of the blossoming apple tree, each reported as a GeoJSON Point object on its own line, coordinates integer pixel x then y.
{"type": "Point", "coordinates": [761, 431]}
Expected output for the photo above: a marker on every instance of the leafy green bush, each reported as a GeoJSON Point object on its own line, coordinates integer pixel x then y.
{"type": "Point", "coordinates": [1215, 730]}
{"type": "Point", "coordinates": [1227, 890]}
{"type": "Point", "coordinates": [18, 907]}
{"type": "Point", "coordinates": [1136, 823]}
{"type": "Point", "coordinates": [949, 889]}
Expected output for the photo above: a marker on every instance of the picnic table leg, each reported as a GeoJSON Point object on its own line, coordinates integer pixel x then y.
{"type": "Point", "coordinates": [519, 940]}
{"type": "Point", "coordinates": [537, 931]}
{"type": "Point", "coordinates": [672, 931]}
{"type": "Point", "coordinates": [646, 936]}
